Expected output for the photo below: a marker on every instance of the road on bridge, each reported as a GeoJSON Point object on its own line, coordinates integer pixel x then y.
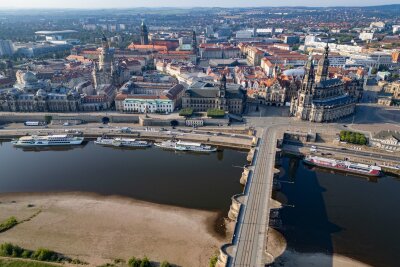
{"type": "Point", "coordinates": [251, 239]}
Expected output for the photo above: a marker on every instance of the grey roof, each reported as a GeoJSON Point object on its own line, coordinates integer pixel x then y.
{"type": "Point", "coordinates": [329, 83]}
{"type": "Point", "coordinates": [210, 90]}
{"type": "Point", "coordinates": [387, 134]}
{"type": "Point", "coordinates": [175, 90]}
{"type": "Point", "coordinates": [340, 100]}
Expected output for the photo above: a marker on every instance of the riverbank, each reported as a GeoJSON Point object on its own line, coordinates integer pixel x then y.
{"type": "Point", "coordinates": [210, 137]}
{"type": "Point", "coordinates": [99, 229]}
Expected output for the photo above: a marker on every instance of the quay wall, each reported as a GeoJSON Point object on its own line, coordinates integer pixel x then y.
{"type": "Point", "coordinates": [220, 141]}
{"type": "Point", "coordinates": [85, 117]}
{"type": "Point", "coordinates": [9, 117]}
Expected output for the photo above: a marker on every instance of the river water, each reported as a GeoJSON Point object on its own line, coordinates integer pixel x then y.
{"type": "Point", "coordinates": [199, 181]}
{"type": "Point", "coordinates": [332, 213]}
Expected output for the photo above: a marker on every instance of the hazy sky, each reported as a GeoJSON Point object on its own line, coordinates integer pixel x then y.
{"type": "Point", "coordinates": [182, 3]}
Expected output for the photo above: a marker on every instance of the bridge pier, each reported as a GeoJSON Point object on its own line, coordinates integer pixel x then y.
{"type": "Point", "coordinates": [278, 157]}
{"type": "Point", "coordinates": [245, 175]}
{"type": "Point", "coordinates": [237, 201]}
{"type": "Point", "coordinates": [250, 155]}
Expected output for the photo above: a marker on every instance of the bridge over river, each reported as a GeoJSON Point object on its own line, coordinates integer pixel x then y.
{"type": "Point", "coordinates": [248, 244]}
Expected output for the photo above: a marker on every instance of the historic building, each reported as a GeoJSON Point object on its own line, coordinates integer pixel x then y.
{"type": "Point", "coordinates": [148, 104]}
{"type": "Point", "coordinates": [111, 71]}
{"type": "Point", "coordinates": [144, 34]}
{"type": "Point", "coordinates": [321, 99]}
{"type": "Point", "coordinates": [202, 96]}
{"type": "Point", "coordinates": [31, 94]}
{"type": "Point", "coordinates": [271, 92]}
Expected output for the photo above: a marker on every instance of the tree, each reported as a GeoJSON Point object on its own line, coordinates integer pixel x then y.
{"type": "Point", "coordinates": [145, 262]}
{"type": "Point", "coordinates": [165, 264]}
{"type": "Point", "coordinates": [48, 119]}
{"type": "Point", "coordinates": [43, 254]}
{"type": "Point", "coordinates": [213, 261]}
{"type": "Point", "coordinates": [186, 112]}
{"type": "Point", "coordinates": [133, 262]}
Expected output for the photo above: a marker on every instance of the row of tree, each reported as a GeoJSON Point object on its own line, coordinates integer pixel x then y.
{"type": "Point", "coordinates": [353, 138]}
{"type": "Point", "coordinates": [145, 262]}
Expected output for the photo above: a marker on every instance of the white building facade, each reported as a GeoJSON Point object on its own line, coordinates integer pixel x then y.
{"type": "Point", "coordinates": [148, 105]}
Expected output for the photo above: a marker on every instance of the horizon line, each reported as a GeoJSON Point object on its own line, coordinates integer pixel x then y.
{"type": "Point", "coordinates": [187, 7]}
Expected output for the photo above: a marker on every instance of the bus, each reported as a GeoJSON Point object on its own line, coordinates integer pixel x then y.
{"type": "Point", "coordinates": [35, 123]}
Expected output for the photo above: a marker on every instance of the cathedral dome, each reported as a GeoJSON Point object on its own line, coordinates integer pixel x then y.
{"type": "Point", "coordinates": [29, 77]}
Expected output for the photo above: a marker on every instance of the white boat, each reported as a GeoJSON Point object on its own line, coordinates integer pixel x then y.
{"type": "Point", "coordinates": [104, 141]}
{"type": "Point", "coordinates": [127, 142]}
{"type": "Point", "coordinates": [48, 140]}
{"type": "Point", "coordinates": [186, 146]}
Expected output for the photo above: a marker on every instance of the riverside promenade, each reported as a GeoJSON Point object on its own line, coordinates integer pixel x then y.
{"type": "Point", "coordinates": [248, 246]}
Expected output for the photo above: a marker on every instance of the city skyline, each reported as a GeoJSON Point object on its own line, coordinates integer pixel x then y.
{"type": "Point", "coordinates": [93, 4]}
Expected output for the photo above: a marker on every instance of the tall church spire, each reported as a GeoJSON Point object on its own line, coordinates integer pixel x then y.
{"type": "Point", "coordinates": [309, 76]}
{"type": "Point", "coordinates": [323, 65]}
{"type": "Point", "coordinates": [144, 34]}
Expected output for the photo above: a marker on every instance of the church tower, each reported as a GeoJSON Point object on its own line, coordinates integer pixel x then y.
{"type": "Point", "coordinates": [95, 76]}
{"type": "Point", "coordinates": [144, 34]}
{"type": "Point", "coordinates": [323, 66]}
{"type": "Point", "coordinates": [309, 76]}
{"type": "Point", "coordinates": [194, 45]}
{"type": "Point", "coordinates": [222, 86]}
{"type": "Point", "coordinates": [106, 56]}
{"type": "Point", "coordinates": [301, 106]}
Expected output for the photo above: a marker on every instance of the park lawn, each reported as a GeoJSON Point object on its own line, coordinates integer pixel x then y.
{"type": "Point", "coordinates": [22, 263]}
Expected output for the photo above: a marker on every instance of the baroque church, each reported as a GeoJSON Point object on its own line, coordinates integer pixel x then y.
{"type": "Point", "coordinates": [107, 71]}
{"type": "Point", "coordinates": [321, 99]}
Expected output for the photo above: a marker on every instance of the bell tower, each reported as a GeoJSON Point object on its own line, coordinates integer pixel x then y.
{"type": "Point", "coordinates": [323, 66]}
{"type": "Point", "coordinates": [144, 34]}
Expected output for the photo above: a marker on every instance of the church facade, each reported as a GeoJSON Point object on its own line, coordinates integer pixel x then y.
{"type": "Point", "coordinates": [107, 70]}
{"type": "Point", "coordinates": [321, 99]}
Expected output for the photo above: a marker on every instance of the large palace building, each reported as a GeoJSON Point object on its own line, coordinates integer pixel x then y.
{"type": "Point", "coordinates": [202, 96]}
{"type": "Point", "coordinates": [321, 99]}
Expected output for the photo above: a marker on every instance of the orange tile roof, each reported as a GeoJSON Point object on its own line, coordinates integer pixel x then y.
{"type": "Point", "coordinates": [147, 47]}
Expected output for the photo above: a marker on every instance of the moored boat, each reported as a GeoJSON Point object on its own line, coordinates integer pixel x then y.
{"type": "Point", "coordinates": [48, 140]}
{"type": "Point", "coordinates": [104, 141]}
{"type": "Point", "coordinates": [186, 146]}
{"type": "Point", "coordinates": [127, 142]}
{"type": "Point", "coordinates": [345, 166]}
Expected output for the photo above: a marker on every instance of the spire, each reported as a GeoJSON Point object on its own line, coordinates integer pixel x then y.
{"type": "Point", "coordinates": [309, 75]}
{"type": "Point", "coordinates": [326, 54]}
{"type": "Point", "coordinates": [323, 65]}
{"type": "Point", "coordinates": [223, 81]}
{"type": "Point", "coordinates": [144, 34]}
{"type": "Point", "coordinates": [104, 41]}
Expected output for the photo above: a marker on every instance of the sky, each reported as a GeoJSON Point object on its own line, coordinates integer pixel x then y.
{"type": "Point", "coordinates": [182, 3]}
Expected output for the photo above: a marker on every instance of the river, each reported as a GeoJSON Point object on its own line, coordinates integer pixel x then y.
{"type": "Point", "coordinates": [198, 181]}
{"type": "Point", "coordinates": [335, 214]}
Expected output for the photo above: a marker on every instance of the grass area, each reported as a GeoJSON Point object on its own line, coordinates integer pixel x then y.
{"type": "Point", "coordinates": [215, 113]}
{"type": "Point", "coordinates": [8, 224]}
{"type": "Point", "coordinates": [186, 112]}
{"type": "Point", "coordinates": [41, 254]}
{"type": "Point", "coordinates": [21, 263]}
